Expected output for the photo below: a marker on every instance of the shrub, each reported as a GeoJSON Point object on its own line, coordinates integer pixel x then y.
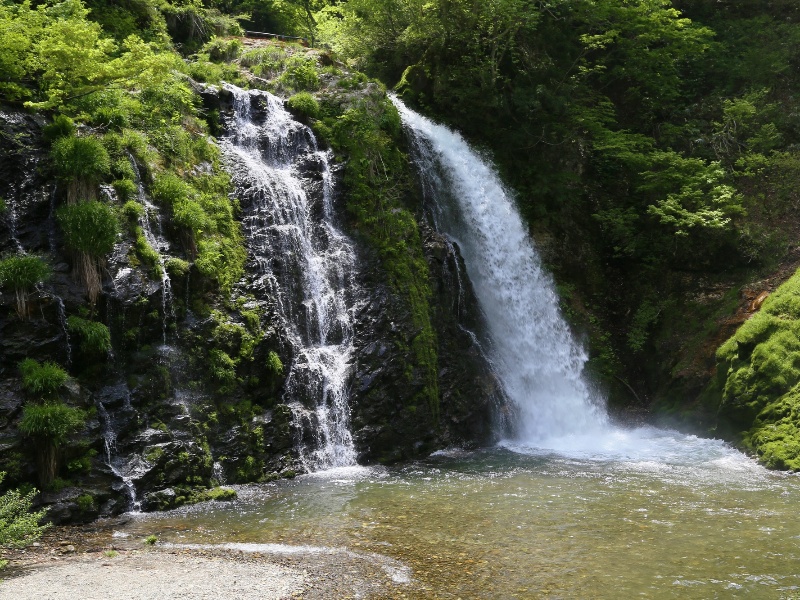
{"type": "Point", "coordinates": [150, 540]}
{"type": "Point", "coordinates": [300, 74]}
{"type": "Point", "coordinates": [85, 502]}
{"type": "Point", "coordinates": [62, 126]}
{"type": "Point", "coordinates": [221, 50]}
{"type": "Point", "coordinates": [125, 188]}
{"type": "Point", "coordinates": [18, 525]}
{"type": "Point", "coordinates": [222, 367]}
{"type": "Point", "coordinates": [21, 273]}
{"type": "Point", "coordinates": [42, 379]}
{"type": "Point", "coordinates": [53, 421]}
{"type": "Point", "coordinates": [83, 162]}
{"type": "Point", "coordinates": [304, 104]}
{"type": "Point", "coordinates": [90, 229]}
{"type": "Point", "coordinates": [95, 337]}
{"type": "Point", "coordinates": [177, 267]}
{"type": "Point", "coordinates": [169, 189]}
{"type": "Point", "coordinates": [49, 424]}
{"type": "Point", "coordinates": [133, 210]}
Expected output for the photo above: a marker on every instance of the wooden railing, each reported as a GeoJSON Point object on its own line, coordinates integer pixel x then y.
{"type": "Point", "coordinates": [261, 34]}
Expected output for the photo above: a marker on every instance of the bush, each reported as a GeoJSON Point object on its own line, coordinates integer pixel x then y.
{"type": "Point", "coordinates": [300, 74]}
{"type": "Point", "coordinates": [169, 189]}
{"type": "Point", "coordinates": [90, 228]}
{"type": "Point", "coordinates": [83, 161]}
{"type": "Point", "coordinates": [133, 210]}
{"type": "Point", "coordinates": [95, 337]}
{"type": "Point", "coordinates": [177, 267]}
{"type": "Point", "coordinates": [125, 188]}
{"type": "Point", "coordinates": [62, 126]}
{"type": "Point", "coordinates": [304, 104]}
{"type": "Point", "coordinates": [18, 525]}
{"type": "Point", "coordinates": [21, 273]}
{"type": "Point", "coordinates": [42, 379]}
{"type": "Point", "coordinates": [220, 50]}
{"type": "Point", "coordinates": [49, 424]}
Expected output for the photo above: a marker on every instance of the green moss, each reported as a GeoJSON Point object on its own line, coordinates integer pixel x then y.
{"type": "Point", "coordinates": [274, 364]}
{"type": "Point", "coordinates": [146, 253]}
{"type": "Point", "coordinates": [376, 177]}
{"type": "Point", "coordinates": [758, 373]}
{"type": "Point", "coordinates": [154, 454]}
{"type": "Point", "coordinates": [220, 494]}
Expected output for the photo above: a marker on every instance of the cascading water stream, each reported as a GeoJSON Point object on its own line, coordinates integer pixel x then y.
{"type": "Point", "coordinates": [305, 264]}
{"type": "Point", "coordinates": [157, 241]}
{"type": "Point", "coordinates": [532, 349]}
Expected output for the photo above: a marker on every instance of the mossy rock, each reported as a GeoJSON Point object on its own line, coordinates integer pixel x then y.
{"type": "Point", "coordinates": [759, 378]}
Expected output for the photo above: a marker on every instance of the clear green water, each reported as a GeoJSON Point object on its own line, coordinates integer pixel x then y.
{"type": "Point", "coordinates": [650, 515]}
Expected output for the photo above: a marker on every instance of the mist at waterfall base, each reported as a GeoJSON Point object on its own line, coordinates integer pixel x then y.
{"type": "Point", "coordinates": [532, 350]}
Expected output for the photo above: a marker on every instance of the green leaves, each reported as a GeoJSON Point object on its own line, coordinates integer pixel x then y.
{"type": "Point", "coordinates": [52, 421]}
{"type": "Point", "coordinates": [19, 527]}
{"type": "Point", "coordinates": [698, 194]}
{"type": "Point", "coordinates": [95, 338]}
{"type": "Point", "coordinates": [23, 271]}
{"type": "Point", "coordinates": [89, 227]}
{"type": "Point", "coordinates": [42, 379]}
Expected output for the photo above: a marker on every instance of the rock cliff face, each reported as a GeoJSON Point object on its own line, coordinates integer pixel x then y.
{"type": "Point", "coordinates": [165, 418]}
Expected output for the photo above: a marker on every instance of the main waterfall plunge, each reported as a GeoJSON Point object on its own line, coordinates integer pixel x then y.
{"type": "Point", "coordinates": [532, 349]}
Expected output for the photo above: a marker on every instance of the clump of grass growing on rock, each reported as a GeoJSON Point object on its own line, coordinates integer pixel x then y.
{"type": "Point", "coordinates": [21, 273]}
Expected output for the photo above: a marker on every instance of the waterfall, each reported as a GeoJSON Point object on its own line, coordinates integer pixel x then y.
{"type": "Point", "coordinates": [303, 263]}
{"type": "Point", "coordinates": [126, 469]}
{"type": "Point", "coordinates": [530, 345]}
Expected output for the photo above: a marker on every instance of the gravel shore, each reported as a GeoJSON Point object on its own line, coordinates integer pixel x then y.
{"type": "Point", "coordinates": [82, 563]}
{"type": "Point", "coordinates": [151, 576]}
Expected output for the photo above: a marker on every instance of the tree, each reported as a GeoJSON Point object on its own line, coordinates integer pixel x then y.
{"type": "Point", "coordinates": [21, 273]}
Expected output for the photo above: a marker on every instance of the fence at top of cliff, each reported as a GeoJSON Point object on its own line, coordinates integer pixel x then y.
{"type": "Point", "coordinates": [277, 36]}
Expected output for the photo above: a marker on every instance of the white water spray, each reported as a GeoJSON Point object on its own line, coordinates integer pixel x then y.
{"type": "Point", "coordinates": [529, 344]}
{"type": "Point", "coordinates": [531, 347]}
{"type": "Point", "coordinates": [305, 263]}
